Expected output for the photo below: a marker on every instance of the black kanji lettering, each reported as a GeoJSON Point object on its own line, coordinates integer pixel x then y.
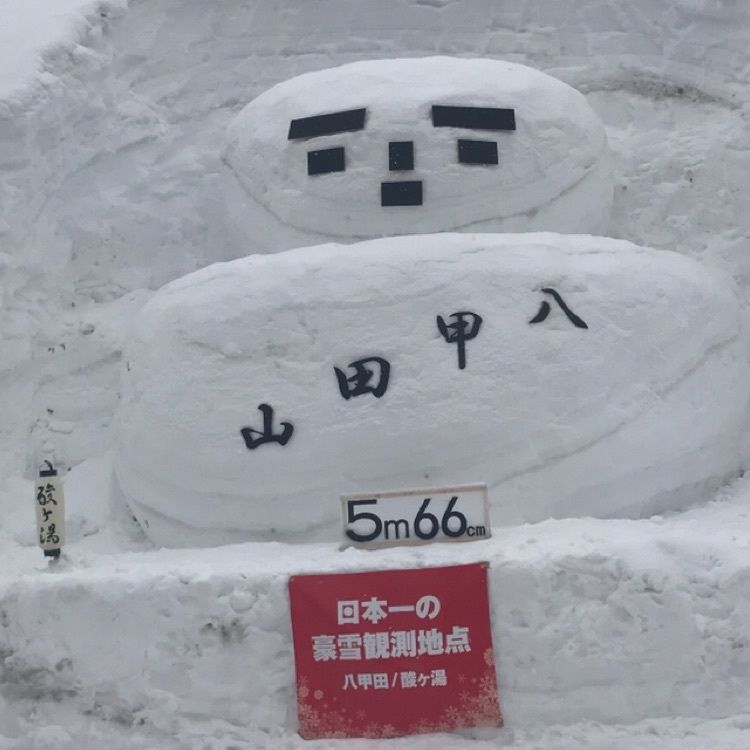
{"type": "Point", "coordinates": [266, 435]}
{"type": "Point", "coordinates": [545, 309]}
{"type": "Point", "coordinates": [464, 327]}
{"type": "Point", "coordinates": [360, 382]}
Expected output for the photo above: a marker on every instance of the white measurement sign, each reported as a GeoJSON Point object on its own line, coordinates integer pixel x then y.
{"type": "Point", "coordinates": [420, 516]}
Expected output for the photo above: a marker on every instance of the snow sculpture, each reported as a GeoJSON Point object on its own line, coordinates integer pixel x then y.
{"type": "Point", "coordinates": [575, 375]}
{"type": "Point", "coordinates": [392, 147]}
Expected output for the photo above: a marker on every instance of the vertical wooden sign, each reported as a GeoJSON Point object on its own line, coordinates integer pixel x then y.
{"type": "Point", "coordinates": [50, 511]}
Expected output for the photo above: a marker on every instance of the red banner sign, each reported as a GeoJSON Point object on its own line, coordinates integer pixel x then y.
{"type": "Point", "coordinates": [394, 652]}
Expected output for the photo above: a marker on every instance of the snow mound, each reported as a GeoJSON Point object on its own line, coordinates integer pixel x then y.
{"type": "Point", "coordinates": [111, 173]}
{"type": "Point", "coordinates": [38, 37]}
{"type": "Point", "coordinates": [545, 167]}
{"type": "Point", "coordinates": [600, 621]}
{"type": "Point", "coordinates": [604, 379]}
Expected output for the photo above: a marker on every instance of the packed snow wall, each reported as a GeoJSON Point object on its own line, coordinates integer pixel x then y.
{"type": "Point", "coordinates": [632, 411]}
{"type": "Point", "coordinates": [111, 160]}
{"type": "Point", "coordinates": [109, 183]}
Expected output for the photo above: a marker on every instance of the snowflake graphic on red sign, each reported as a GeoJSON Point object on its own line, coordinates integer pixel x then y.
{"type": "Point", "coordinates": [393, 652]}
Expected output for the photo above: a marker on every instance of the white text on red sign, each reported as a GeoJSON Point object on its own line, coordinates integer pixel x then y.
{"type": "Point", "coordinates": [395, 680]}
{"type": "Point", "coordinates": [351, 611]}
{"type": "Point", "coordinates": [391, 644]}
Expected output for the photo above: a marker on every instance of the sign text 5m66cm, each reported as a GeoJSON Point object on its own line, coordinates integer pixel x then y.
{"type": "Point", "coordinates": [416, 516]}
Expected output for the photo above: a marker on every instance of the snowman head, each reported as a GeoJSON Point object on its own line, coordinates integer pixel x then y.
{"type": "Point", "coordinates": [401, 190]}
{"type": "Point", "coordinates": [389, 147]}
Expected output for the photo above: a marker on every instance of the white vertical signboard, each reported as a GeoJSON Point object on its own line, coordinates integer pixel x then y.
{"type": "Point", "coordinates": [50, 511]}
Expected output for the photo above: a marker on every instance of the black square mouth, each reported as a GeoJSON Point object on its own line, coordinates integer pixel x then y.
{"type": "Point", "coordinates": [408, 193]}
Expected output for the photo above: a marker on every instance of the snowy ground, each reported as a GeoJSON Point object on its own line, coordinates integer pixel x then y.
{"type": "Point", "coordinates": [111, 131]}
{"type": "Point", "coordinates": [55, 726]}
{"type": "Point", "coordinates": [605, 632]}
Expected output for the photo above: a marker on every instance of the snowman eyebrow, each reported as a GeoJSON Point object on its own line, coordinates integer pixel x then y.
{"type": "Point", "coordinates": [476, 118]}
{"type": "Point", "coordinates": [330, 124]}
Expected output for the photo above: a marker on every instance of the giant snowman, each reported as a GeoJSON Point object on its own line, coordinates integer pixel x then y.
{"type": "Point", "coordinates": [574, 374]}
{"type": "Point", "coordinates": [393, 147]}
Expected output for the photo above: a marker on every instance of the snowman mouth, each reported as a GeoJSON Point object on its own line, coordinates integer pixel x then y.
{"type": "Point", "coordinates": [402, 193]}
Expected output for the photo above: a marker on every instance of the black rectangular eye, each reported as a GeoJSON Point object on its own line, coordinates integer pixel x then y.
{"type": "Point", "coordinates": [477, 118]}
{"type": "Point", "coordinates": [336, 122]}
{"type": "Point", "coordinates": [400, 155]}
{"type": "Point", "coordinates": [477, 152]}
{"type": "Point", "coordinates": [325, 160]}
{"type": "Point", "coordinates": [401, 193]}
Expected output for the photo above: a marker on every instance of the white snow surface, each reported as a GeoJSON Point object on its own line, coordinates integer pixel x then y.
{"type": "Point", "coordinates": [553, 170]}
{"type": "Point", "coordinates": [644, 410]}
{"type": "Point", "coordinates": [112, 132]}
{"type": "Point", "coordinates": [597, 624]}
{"type": "Point", "coordinates": [39, 34]}
{"type": "Point", "coordinates": [131, 117]}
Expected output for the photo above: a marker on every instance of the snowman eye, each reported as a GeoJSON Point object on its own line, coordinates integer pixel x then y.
{"type": "Point", "coordinates": [325, 160]}
{"type": "Point", "coordinates": [474, 118]}
{"type": "Point", "coordinates": [477, 152]}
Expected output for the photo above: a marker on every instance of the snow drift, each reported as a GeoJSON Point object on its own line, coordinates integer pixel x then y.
{"type": "Point", "coordinates": [641, 410]}
{"type": "Point", "coordinates": [111, 186]}
{"type": "Point", "coordinates": [113, 179]}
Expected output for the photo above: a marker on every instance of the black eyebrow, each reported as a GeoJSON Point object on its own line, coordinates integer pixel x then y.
{"type": "Point", "coordinates": [477, 118]}
{"type": "Point", "coordinates": [330, 124]}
